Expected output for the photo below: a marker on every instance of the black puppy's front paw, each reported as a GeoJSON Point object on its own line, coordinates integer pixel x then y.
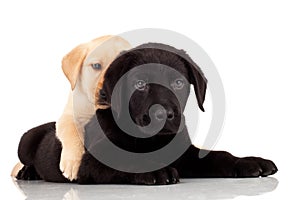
{"type": "Point", "coordinates": [254, 167]}
{"type": "Point", "coordinates": [163, 176]}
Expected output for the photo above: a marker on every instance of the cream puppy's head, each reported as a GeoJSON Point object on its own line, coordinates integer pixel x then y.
{"type": "Point", "coordinates": [84, 65]}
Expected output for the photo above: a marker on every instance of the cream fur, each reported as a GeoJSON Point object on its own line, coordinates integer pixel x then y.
{"type": "Point", "coordinates": [16, 169]}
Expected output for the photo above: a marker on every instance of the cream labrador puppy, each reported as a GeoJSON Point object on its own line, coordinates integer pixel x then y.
{"type": "Point", "coordinates": [84, 67]}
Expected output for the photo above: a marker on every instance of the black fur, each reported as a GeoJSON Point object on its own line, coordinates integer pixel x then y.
{"type": "Point", "coordinates": [40, 151]}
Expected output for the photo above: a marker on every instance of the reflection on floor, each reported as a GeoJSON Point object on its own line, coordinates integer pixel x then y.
{"type": "Point", "coordinates": [186, 189]}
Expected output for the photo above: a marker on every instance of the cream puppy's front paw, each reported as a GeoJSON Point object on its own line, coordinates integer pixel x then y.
{"type": "Point", "coordinates": [69, 163]}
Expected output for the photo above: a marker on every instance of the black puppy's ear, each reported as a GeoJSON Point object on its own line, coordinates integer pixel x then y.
{"type": "Point", "coordinates": [200, 84]}
{"type": "Point", "coordinates": [197, 78]}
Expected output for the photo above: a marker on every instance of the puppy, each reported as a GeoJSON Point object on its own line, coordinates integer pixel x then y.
{"type": "Point", "coordinates": [83, 67]}
{"type": "Point", "coordinates": [41, 160]}
{"type": "Point", "coordinates": [138, 95]}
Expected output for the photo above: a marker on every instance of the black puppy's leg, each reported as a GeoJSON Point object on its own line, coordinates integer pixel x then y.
{"type": "Point", "coordinates": [92, 171]}
{"type": "Point", "coordinates": [30, 141]}
{"type": "Point", "coordinates": [28, 173]}
{"type": "Point", "coordinates": [220, 164]}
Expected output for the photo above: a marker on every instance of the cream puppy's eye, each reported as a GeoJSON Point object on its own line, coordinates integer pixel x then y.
{"type": "Point", "coordinates": [96, 66]}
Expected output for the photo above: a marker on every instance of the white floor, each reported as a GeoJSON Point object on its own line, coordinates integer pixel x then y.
{"type": "Point", "coordinates": [186, 189]}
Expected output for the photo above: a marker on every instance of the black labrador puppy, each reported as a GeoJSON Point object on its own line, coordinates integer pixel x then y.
{"type": "Point", "coordinates": [136, 82]}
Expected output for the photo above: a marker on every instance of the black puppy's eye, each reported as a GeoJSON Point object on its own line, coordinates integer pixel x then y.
{"type": "Point", "coordinates": [140, 85]}
{"type": "Point", "coordinates": [96, 66]}
{"type": "Point", "coordinates": [178, 84]}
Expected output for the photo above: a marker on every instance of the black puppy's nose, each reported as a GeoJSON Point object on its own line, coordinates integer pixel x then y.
{"type": "Point", "coordinates": [102, 95]}
{"type": "Point", "coordinates": [161, 113]}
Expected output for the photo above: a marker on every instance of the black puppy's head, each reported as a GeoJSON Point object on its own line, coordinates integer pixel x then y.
{"type": "Point", "coordinates": [153, 74]}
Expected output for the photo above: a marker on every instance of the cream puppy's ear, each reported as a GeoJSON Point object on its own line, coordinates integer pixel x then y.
{"type": "Point", "coordinates": [72, 63]}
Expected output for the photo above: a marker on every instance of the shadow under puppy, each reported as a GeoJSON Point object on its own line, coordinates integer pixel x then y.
{"type": "Point", "coordinates": [137, 96]}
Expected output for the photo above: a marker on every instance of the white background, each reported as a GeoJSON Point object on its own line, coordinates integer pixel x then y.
{"type": "Point", "coordinates": [254, 44]}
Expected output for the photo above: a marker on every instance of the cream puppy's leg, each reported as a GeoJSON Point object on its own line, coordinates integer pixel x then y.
{"type": "Point", "coordinates": [72, 142]}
